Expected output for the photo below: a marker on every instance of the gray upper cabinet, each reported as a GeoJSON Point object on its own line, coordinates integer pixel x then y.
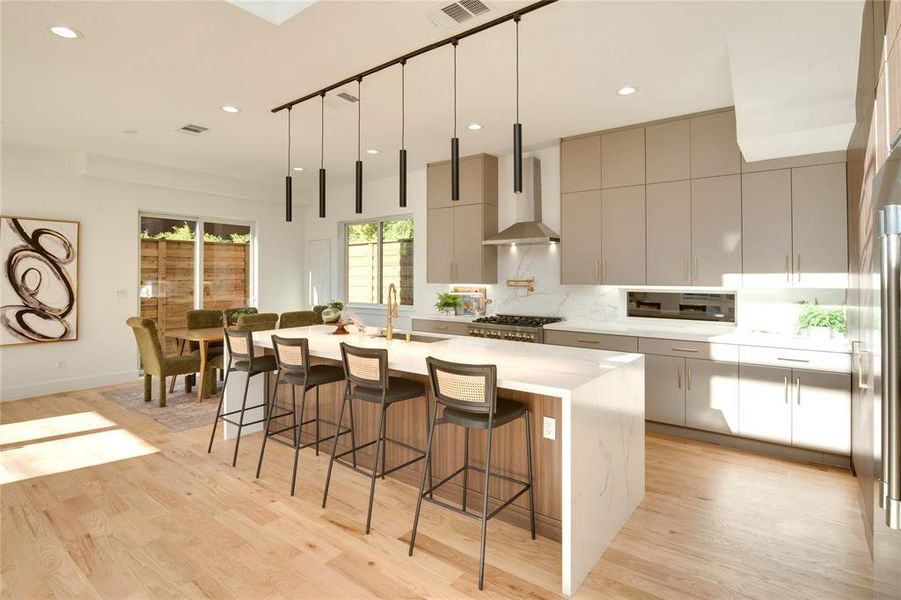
{"type": "Point", "coordinates": [454, 252]}
{"type": "Point", "coordinates": [580, 164]}
{"type": "Point", "coordinates": [668, 152]}
{"type": "Point", "coordinates": [623, 236]}
{"type": "Point", "coordinates": [714, 145]}
{"type": "Point", "coordinates": [766, 228]}
{"type": "Point", "coordinates": [580, 219]}
{"type": "Point", "coordinates": [820, 226]}
{"type": "Point", "coordinates": [622, 158]}
{"type": "Point", "coordinates": [716, 231]}
{"type": "Point", "coordinates": [669, 233]}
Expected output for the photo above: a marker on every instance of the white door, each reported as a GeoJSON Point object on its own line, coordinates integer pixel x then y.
{"type": "Point", "coordinates": [764, 403]}
{"type": "Point", "coordinates": [711, 396]}
{"type": "Point", "coordinates": [821, 411]}
{"type": "Point", "coordinates": [819, 226]}
{"type": "Point", "coordinates": [716, 230]}
{"type": "Point", "coordinates": [664, 389]}
{"type": "Point", "coordinates": [622, 238]}
{"type": "Point", "coordinates": [766, 218]}
{"type": "Point", "coordinates": [668, 233]}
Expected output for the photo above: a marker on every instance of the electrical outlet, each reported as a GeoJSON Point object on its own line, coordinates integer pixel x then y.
{"type": "Point", "coordinates": [61, 365]}
{"type": "Point", "coordinates": [121, 293]}
{"type": "Point", "coordinates": [550, 428]}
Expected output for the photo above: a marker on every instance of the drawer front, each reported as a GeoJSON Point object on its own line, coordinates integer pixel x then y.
{"type": "Point", "coordinates": [600, 341]}
{"type": "Point", "coordinates": [811, 360]}
{"type": "Point", "coordinates": [437, 326]}
{"type": "Point", "coordinates": [702, 350]}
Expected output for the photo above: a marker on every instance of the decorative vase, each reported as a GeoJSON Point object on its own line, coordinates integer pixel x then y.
{"type": "Point", "coordinates": [331, 315]}
{"type": "Point", "coordinates": [819, 333]}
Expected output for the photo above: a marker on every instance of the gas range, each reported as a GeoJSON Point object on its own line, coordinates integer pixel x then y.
{"type": "Point", "coordinates": [511, 327]}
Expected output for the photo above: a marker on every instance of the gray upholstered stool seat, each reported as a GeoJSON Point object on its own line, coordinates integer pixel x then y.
{"type": "Point", "coordinates": [507, 410]}
{"type": "Point", "coordinates": [257, 364]}
{"type": "Point", "coordinates": [398, 389]}
{"type": "Point", "coordinates": [316, 375]}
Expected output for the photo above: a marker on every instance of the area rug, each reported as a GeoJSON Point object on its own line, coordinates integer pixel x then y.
{"type": "Point", "coordinates": [182, 411]}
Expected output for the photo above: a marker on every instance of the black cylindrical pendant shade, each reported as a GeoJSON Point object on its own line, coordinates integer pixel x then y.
{"type": "Point", "coordinates": [517, 158]}
{"type": "Point", "coordinates": [455, 169]}
{"type": "Point", "coordinates": [358, 207]}
{"type": "Point", "coordinates": [288, 198]}
{"type": "Point", "coordinates": [321, 193]}
{"type": "Point", "coordinates": [403, 178]}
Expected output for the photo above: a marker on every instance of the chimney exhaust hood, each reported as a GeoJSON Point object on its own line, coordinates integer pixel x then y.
{"type": "Point", "coordinates": [528, 229]}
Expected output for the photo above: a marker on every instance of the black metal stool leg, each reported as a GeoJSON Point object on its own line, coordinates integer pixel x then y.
{"type": "Point", "coordinates": [270, 409]}
{"type": "Point", "coordinates": [427, 465]}
{"type": "Point", "coordinates": [465, 465]}
{"type": "Point", "coordinates": [331, 462]}
{"type": "Point", "coordinates": [219, 410]}
{"type": "Point", "coordinates": [303, 406]}
{"type": "Point", "coordinates": [375, 464]}
{"type": "Point", "coordinates": [485, 508]}
{"type": "Point", "coordinates": [241, 420]}
{"type": "Point", "coordinates": [317, 420]}
{"type": "Point", "coordinates": [529, 456]}
{"type": "Point", "coordinates": [384, 428]}
{"type": "Point", "coordinates": [295, 429]}
{"type": "Point", "coordinates": [353, 435]}
{"type": "Point", "coordinates": [427, 429]}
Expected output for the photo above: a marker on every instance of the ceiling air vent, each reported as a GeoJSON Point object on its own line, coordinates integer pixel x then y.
{"type": "Point", "coordinates": [348, 97]}
{"type": "Point", "coordinates": [455, 13]}
{"type": "Point", "coordinates": [193, 129]}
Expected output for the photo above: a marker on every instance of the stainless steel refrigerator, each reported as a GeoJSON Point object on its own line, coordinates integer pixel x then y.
{"type": "Point", "coordinates": [876, 437]}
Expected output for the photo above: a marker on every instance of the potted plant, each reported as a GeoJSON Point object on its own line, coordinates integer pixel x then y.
{"type": "Point", "coordinates": [332, 312]}
{"type": "Point", "coordinates": [448, 303]}
{"type": "Point", "coordinates": [821, 323]}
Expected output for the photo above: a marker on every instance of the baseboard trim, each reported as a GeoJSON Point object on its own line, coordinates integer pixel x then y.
{"type": "Point", "coordinates": [66, 385]}
{"type": "Point", "coordinates": [760, 447]}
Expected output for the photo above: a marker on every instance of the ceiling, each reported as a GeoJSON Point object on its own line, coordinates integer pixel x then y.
{"type": "Point", "coordinates": [144, 69]}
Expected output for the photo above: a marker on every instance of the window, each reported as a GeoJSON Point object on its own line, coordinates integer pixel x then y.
{"type": "Point", "coordinates": [379, 253]}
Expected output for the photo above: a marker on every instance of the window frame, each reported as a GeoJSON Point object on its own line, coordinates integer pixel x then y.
{"type": "Point", "coordinates": [345, 238]}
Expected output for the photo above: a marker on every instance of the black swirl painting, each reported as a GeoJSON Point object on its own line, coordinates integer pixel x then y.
{"type": "Point", "coordinates": [39, 287]}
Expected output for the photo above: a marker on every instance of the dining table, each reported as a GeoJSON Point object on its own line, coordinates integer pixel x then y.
{"type": "Point", "coordinates": [203, 337]}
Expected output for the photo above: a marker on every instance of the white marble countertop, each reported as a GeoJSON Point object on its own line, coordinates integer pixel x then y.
{"type": "Point", "coordinates": [719, 335]}
{"type": "Point", "coordinates": [535, 368]}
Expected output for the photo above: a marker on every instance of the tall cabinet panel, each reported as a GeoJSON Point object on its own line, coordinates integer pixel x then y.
{"type": "Point", "coordinates": [716, 230]}
{"type": "Point", "coordinates": [714, 145]}
{"type": "Point", "coordinates": [820, 226]}
{"type": "Point", "coordinates": [767, 228]}
{"type": "Point", "coordinates": [668, 151]}
{"type": "Point", "coordinates": [440, 239]}
{"type": "Point", "coordinates": [669, 233]}
{"type": "Point", "coordinates": [581, 248]}
{"type": "Point", "coordinates": [623, 236]}
{"type": "Point", "coordinates": [580, 164]}
{"type": "Point", "coordinates": [622, 158]}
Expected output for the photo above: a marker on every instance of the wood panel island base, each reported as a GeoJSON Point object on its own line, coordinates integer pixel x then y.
{"type": "Point", "coordinates": [587, 480]}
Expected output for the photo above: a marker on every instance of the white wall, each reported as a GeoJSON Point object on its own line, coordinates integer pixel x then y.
{"type": "Point", "coordinates": [105, 195]}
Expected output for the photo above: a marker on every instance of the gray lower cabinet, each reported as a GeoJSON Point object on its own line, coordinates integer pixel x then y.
{"type": "Point", "coordinates": [764, 403]}
{"type": "Point", "coordinates": [711, 396]}
{"type": "Point", "coordinates": [664, 389]}
{"type": "Point", "coordinates": [441, 326]}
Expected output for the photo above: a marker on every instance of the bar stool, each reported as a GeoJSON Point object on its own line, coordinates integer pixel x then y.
{"type": "Point", "coordinates": [292, 355]}
{"type": "Point", "coordinates": [469, 396]}
{"type": "Point", "coordinates": [240, 358]}
{"type": "Point", "coordinates": [366, 372]}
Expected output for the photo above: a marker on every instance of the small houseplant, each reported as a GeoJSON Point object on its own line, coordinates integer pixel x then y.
{"type": "Point", "coordinates": [448, 303]}
{"type": "Point", "coordinates": [332, 312]}
{"type": "Point", "coordinates": [820, 322]}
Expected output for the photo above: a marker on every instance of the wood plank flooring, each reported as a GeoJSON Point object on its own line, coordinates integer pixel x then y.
{"type": "Point", "coordinates": [141, 512]}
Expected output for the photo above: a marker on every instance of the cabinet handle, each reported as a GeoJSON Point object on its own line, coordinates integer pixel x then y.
{"type": "Point", "coordinates": [604, 270]}
{"type": "Point", "coordinates": [798, 270]}
{"type": "Point", "coordinates": [679, 378]}
{"type": "Point", "coordinates": [798, 390]}
{"type": "Point", "coordinates": [589, 341]}
{"type": "Point", "coordinates": [441, 327]}
{"type": "Point", "coordinates": [685, 270]}
{"type": "Point", "coordinates": [787, 268]}
{"type": "Point", "coordinates": [597, 268]}
{"type": "Point", "coordinates": [688, 387]}
{"type": "Point", "coordinates": [694, 277]}
{"type": "Point", "coordinates": [785, 380]}
{"type": "Point", "coordinates": [679, 349]}
{"type": "Point", "coordinates": [450, 271]}
{"type": "Point", "coordinates": [795, 360]}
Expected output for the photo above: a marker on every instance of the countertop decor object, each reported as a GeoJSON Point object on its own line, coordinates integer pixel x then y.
{"type": "Point", "coordinates": [448, 302]}
{"type": "Point", "coordinates": [333, 312]}
{"type": "Point", "coordinates": [821, 323]}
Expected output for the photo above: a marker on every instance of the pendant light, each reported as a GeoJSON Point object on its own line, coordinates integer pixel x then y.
{"type": "Point", "coordinates": [517, 126]}
{"type": "Point", "coordinates": [402, 158]}
{"type": "Point", "coordinates": [455, 141]}
{"type": "Point", "coordinates": [358, 206]}
{"type": "Point", "coordinates": [288, 192]}
{"type": "Point", "coordinates": [322, 156]}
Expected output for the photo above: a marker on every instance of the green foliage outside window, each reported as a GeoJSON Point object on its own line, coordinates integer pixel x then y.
{"type": "Point", "coordinates": [392, 231]}
{"type": "Point", "coordinates": [185, 233]}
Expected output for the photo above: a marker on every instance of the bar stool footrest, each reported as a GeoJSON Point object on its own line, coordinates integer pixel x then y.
{"type": "Point", "coordinates": [427, 493]}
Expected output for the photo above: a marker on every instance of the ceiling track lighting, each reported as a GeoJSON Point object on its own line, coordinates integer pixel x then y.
{"type": "Point", "coordinates": [517, 126]}
{"type": "Point", "coordinates": [455, 141]}
{"type": "Point", "coordinates": [358, 204]}
{"type": "Point", "coordinates": [322, 156]}
{"type": "Point", "coordinates": [289, 196]}
{"type": "Point", "coordinates": [402, 155]}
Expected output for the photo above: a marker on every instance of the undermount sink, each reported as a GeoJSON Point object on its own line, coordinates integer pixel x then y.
{"type": "Point", "coordinates": [402, 337]}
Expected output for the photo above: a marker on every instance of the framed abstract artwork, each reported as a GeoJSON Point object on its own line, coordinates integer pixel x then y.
{"type": "Point", "coordinates": [39, 283]}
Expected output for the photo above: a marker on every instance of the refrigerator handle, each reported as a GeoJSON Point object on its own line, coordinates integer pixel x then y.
{"type": "Point", "coordinates": [889, 228]}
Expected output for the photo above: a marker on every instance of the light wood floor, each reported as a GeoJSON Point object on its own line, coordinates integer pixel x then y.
{"type": "Point", "coordinates": [143, 512]}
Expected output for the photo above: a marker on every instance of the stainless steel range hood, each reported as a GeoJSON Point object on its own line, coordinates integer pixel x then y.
{"type": "Point", "coordinates": [528, 229]}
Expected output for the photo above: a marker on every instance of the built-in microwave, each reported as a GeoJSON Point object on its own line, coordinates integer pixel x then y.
{"type": "Point", "coordinates": [711, 307]}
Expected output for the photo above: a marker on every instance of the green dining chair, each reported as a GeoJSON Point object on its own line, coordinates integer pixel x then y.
{"type": "Point", "coordinates": [297, 318]}
{"type": "Point", "coordinates": [155, 362]}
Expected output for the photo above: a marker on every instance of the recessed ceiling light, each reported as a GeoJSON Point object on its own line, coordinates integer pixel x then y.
{"type": "Point", "coordinates": [231, 109]}
{"type": "Point", "coordinates": [298, 168]}
{"type": "Point", "coordinates": [65, 32]}
{"type": "Point", "coordinates": [130, 131]}
{"type": "Point", "coordinates": [626, 90]}
{"type": "Point", "coordinates": [473, 127]}
{"type": "Point", "coordinates": [372, 151]}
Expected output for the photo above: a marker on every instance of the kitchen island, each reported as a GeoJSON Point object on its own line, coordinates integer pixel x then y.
{"type": "Point", "coordinates": [588, 479]}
